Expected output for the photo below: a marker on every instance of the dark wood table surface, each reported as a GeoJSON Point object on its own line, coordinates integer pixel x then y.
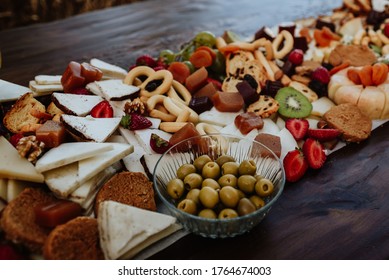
{"type": "Point", "coordinates": [338, 212]}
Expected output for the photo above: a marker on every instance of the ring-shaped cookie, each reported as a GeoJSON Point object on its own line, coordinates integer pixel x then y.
{"type": "Point", "coordinates": [206, 128]}
{"type": "Point", "coordinates": [262, 42]}
{"type": "Point", "coordinates": [135, 73]}
{"type": "Point", "coordinates": [163, 88]}
{"type": "Point", "coordinates": [179, 92]}
{"type": "Point", "coordinates": [193, 117]}
{"type": "Point", "coordinates": [154, 100]}
{"type": "Point", "coordinates": [162, 115]}
{"type": "Point", "coordinates": [288, 44]}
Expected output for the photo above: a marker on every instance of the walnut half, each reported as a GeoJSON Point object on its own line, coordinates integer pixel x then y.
{"type": "Point", "coordinates": [30, 148]}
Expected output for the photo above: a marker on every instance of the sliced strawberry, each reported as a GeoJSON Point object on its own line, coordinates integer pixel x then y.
{"type": "Point", "coordinates": [135, 122]}
{"type": "Point", "coordinates": [146, 60]}
{"type": "Point", "coordinates": [297, 127]}
{"type": "Point", "coordinates": [314, 153]}
{"type": "Point", "coordinates": [158, 144]}
{"type": "Point", "coordinates": [295, 165]}
{"type": "Point", "coordinates": [102, 110]}
{"type": "Point", "coordinates": [323, 134]}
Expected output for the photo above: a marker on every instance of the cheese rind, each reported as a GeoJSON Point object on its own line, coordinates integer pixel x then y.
{"type": "Point", "coordinates": [12, 166]}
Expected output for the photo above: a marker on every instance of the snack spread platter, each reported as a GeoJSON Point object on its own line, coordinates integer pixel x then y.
{"type": "Point", "coordinates": [78, 149]}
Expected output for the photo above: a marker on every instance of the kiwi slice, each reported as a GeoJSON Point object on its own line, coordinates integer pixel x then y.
{"type": "Point", "coordinates": [293, 104]}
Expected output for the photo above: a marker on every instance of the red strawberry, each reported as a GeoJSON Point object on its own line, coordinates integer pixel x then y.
{"type": "Point", "coordinates": [158, 144]}
{"type": "Point", "coordinates": [135, 122]}
{"type": "Point", "coordinates": [295, 165]}
{"type": "Point", "coordinates": [321, 74]}
{"type": "Point", "coordinates": [157, 68]}
{"type": "Point", "coordinates": [102, 110]}
{"type": "Point", "coordinates": [14, 139]}
{"type": "Point", "coordinates": [314, 153]}
{"type": "Point", "coordinates": [296, 57]}
{"type": "Point", "coordinates": [323, 134]}
{"type": "Point", "coordinates": [7, 252]}
{"type": "Point", "coordinates": [146, 60]}
{"type": "Point", "coordinates": [81, 91]}
{"type": "Point", "coordinates": [216, 83]}
{"type": "Point", "coordinates": [386, 30]}
{"type": "Point", "coordinates": [297, 127]}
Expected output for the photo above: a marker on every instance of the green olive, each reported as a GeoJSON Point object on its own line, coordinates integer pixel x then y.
{"type": "Point", "coordinates": [247, 167]}
{"type": "Point", "coordinates": [175, 188]}
{"type": "Point", "coordinates": [193, 181]}
{"type": "Point", "coordinates": [246, 183]}
{"type": "Point", "coordinates": [228, 180]}
{"type": "Point", "coordinates": [201, 161]}
{"type": "Point", "coordinates": [230, 167]}
{"type": "Point", "coordinates": [245, 206]}
{"type": "Point", "coordinates": [228, 213]}
{"type": "Point", "coordinates": [193, 194]}
{"type": "Point", "coordinates": [210, 183]}
{"type": "Point", "coordinates": [229, 196]}
{"type": "Point", "coordinates": [223, 159]}
{"type": "Point", "coordinates": [207, 213]}
{"type": "Point", "coordinates": [258, 177]}
{"type": "Point", "coordinates": [257, 201]}
{"type": "Point", "coordinates": [241, 194]}
{"type": "Point", "coordinates": [264, 187]}
{"type": "Point", "coordinates": [209, 197]}
{"type": "Point", "coordinates": [188, 206]}
{"type": "Point", "coordinates": [184, 170]}
{"type": "Point", "coordinates": [211, 170]}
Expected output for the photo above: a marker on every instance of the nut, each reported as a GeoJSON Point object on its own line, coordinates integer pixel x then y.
{"type": "Point", "coordinates": [30, 148]}
{"type": "Point", "coordinates": [135, 106]}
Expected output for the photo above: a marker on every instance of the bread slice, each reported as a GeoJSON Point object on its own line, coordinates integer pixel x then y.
{"type": "Point", "coordinates": [123, 228]}
{"type": "Point", "coordinates": [13, 166]}
{"type": "Point", "coordinates": [351, 122]}
{"type": "Point", "coordinates": [10, 91]}
{"type": "Point", "coordinates": [77, 239]}
{"type": "Point", "coordinates": [18, 219]}
{"type": "Point", "coordinates": [132, 188]}
{"type": "Point", "coordinates": [89, 128]}
{"type": "Point", "coordinates": [75, 104]}
{"type": "Point", "coordinates": [372, 102]}
{"type": "Point", "coordinates": [19, 115]}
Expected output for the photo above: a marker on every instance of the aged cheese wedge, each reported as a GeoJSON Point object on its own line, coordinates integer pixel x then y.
{"type": "Point", "coordinates": [67, 153]}
{"type": "Point", "coordinates": [48, 79]}
{"type": "Point", "coordinates": [337, 80]}
{"type": "Point", "coordinates": [372, 102]}
{"type": "Point", "coordinates": [122, 228]}
{"type": "Point", "coordinates": [75, 104]}
{"type": "Point", "coordinates": [12, 166]}
{"type": "Point", "coordinates": [109, 70]}
{"type": "Point", "coordinates": [10, 91]}
{"type": "Point", "coordinates": [322, 105]}
{"type": "Point", "coordinates": [89, 128]}
{"type": "Point", "coordinates": [62, 180]}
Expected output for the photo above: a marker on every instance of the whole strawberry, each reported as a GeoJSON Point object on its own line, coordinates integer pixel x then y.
{"type": "Point", "coordinates": [135, 122]}
{"type": "Point", "coordinates": [321, 74]}
{"type": "Point", "coordinates": [158, 144]}
{"type": "Point", "coordinates": [146, 60]}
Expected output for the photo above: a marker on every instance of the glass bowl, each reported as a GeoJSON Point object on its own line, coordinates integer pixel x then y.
{"type": "Point", "coordinates": [268, 165]}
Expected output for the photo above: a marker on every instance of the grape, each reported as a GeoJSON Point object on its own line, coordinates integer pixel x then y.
{"type": "Point", "coordinates": [167, 56]}
{"type": "Point", "coordinates": [205, 38]}
{"type": "Point", "coordinates": [190, 66]}
{"type": "Point", "coordinates": [219, 63]}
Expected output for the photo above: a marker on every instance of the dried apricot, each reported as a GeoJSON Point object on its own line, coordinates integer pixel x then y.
{"type": "Point", "coordinates": [379, 73]}
{"type": "Point", "coordinates": [365, 75]}
{"type": "Point", "coordinates": [353, 75]}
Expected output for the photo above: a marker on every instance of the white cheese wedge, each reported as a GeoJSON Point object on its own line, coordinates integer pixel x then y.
{"type": "Point", "coordinates": [89, 128]}
{"type": "Point", "coordinates": [110, 70]}
{"type": "Point", "coordinates": [12, 166]}
{"type": "Point", "coordinates": [48, 79]}
{"type": "Point", "coordinates": [76, 104]}
{"type": "Point", "coordinates": [3, 188]}
{"type": "Point", "coordinates": [14, 188]}
{"type": "Point", "coordinates": [117, 90]}
{"type": "Point", "coordinates": [132, 162]}
{"type": "Point", "coordinates": [288, 143]}
{"type": "Point", "coordinates": [93, 88]}
{"type": "Point", "coordinates": [67, 153]}
{"type": "Point", "coordinates": [144, 136]}
{"type": "Point", "coordinates": [44, 89]}
{"type": "Point", "coordinates": [122, 227]}
{"type": "Point", "coordinates": [63, 180]}
{"type": "Point", "coordinates": [10, 91]}
{"type": "Point", "coordinates": [321, 106]}
{"type": "Point", "coordinates": [216, 117]}
{"type": "Point", "coordinates": [151, 161]}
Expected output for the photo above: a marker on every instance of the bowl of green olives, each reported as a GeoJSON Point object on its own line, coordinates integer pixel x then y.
{"type": "Point", "coordinates": [219, 185]}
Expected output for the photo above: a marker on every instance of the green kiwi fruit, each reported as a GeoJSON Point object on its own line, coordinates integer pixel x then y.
{"type": "Point", "coordinates": [293, 104]}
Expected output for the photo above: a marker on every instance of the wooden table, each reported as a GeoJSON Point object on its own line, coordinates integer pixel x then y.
{"type": "Point", "coordinates": [338, 212]}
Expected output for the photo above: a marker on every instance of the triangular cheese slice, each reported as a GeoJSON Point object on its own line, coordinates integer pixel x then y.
{"type": "Point", "coordinates": [108, 69]}
{"type": "Point", "coordinates": [76, 104]}
{"type": "Point", "coordinates": [123, 227]}
{"type": "Point", "coordinates": [63, 180]}
{"type": "Point", "coordinates": [10, 91]}
{"type": "Point", "coordinates": [13, 166]}
{"type": "Point", "coordinates": [117, 90]}
{"type": "Point", "coordinates": [67, 153]}
{"type": "Point", "coordinates": [89, 128]}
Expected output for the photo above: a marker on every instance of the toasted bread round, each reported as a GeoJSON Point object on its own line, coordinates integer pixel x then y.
{"type": "Point", "coordinates": [78, 239]}
{"type": "Point", "coordinates": [132, 188]}
{"type": "Point", "coordinates": [18, 219]}
{"type": "Point", "coordinates": [352, 123]}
